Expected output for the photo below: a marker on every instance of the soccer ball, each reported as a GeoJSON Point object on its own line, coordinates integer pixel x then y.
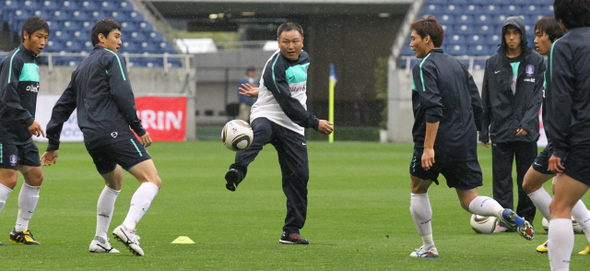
{"type": "Point", "coordinates": [483, 224]}
{"type": "Point", "coordinates": [577, 227]}
{"type": "Point", "coordinates": [237, 135]}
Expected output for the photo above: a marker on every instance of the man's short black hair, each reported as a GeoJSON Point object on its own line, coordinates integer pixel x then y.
{"type": "Point", "coordinates": [104, 26]}
{"type": "Point", "coordinates": [572, 13]}
{"type": "Point", "coordinates": [548, 25]}
{"type": "Point", "coordinates": [34, 24]}
{"type": "Point", "coordinates": [288, 27]}
{"type": "Point", "coordinates": [250, 69]}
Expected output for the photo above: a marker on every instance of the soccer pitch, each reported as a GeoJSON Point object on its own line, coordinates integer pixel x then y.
{"type": "Point", "coordinates": [358, 216]}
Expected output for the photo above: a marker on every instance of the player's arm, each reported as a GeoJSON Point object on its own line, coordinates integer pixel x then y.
{"type": "Point", "coordinates": [486, 116]}
{"type": "Point", "coordinates": [275, 80]}
{"type": "Point", "coordinates": [559, 100]}
{"type": "Point", "coordinates": [60, 113]}
{"type": "Point", "coordinates": [9, 98]}
{"type": "Point", "coordinates": [530, 120]}
{"type": "Point", "coordinates": [431, 101]}
{"type": "Point", "coordinates": [122, 94]}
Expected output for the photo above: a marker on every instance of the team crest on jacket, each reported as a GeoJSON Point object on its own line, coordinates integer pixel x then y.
{"type": "Point", "coordinates": [13, 160]}
{"type": "Point", "coordinates": [530, 69]}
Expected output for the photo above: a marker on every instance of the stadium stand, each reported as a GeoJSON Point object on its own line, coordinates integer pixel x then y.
{"type": "Point", "coordinates": [71, 21]}
{"type": "Point", "coordinates": [473, 27]}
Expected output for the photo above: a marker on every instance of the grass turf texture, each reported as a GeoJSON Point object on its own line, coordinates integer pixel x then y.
{"type": "Point", "coordinates": [358, 217]}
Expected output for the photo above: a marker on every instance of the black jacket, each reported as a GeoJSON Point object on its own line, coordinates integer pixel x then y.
{"type": "Point", "coordinates": [444, 91]}
{"type": "Point", "coordinates": [19, 85]}
{"type": "Point", "coordinates": [505, 112]}
{"type": "Point", "coordinates": [101, 91]}
{"type": "Point", "coordinates": [568, 91]}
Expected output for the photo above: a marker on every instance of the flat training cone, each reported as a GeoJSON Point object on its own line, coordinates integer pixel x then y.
{"type": "Point", "coordinates": [183, 240]}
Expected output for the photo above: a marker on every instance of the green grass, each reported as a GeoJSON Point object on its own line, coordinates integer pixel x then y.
{"type": "Point", "coordinates": [358, 217]}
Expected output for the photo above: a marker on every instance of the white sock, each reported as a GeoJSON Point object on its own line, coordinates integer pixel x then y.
{"type": "Point", "coordinates": [560, 243]}
{"type": "Point", "coordinates": [4, 192]}
{"type": "Point", "coordinates": [27, 202]}
{"type": "Point", "coordinates": [581, 214]}
{"type": "Point", "coordinates": [485, 206]}
{"type": "Point", "coordinates": [104, 211]}
{"type": "Point", "coordinates": [140, 203]}
{"type": "Point", "coordinates": [422, 215]}
{"type": "Point", "coordinates": [541, 199]}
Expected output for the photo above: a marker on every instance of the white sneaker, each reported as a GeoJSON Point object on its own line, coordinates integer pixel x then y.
{"type": "Point", "coordinates": [98, 247]}
{"type": "Point", "coordinates": [129, 238]}
{"type": "Point", "coordinates": [425, 253]}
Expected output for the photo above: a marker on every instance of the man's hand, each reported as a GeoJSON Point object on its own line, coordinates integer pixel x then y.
{"type": "Point", "coordinates": [485, 144]}
{"type": "Point", "coordinates": [146, 140]}
{"type": "Point", "coordinates": [521, 132]}
{"type": "Point", "coordinates": [427, 159]}
{"type": "Point", "coordinates": [49, 157]}
{"type": "Point", "coordinates": [555, 165]}
{"type": "Point", "coordinates": [248, 90]}
{"type": "Point", "coordinates": [325, 127]}
{"type": "Point", "coordinates": [36, 129]}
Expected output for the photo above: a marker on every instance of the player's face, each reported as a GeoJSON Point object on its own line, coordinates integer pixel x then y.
{"type": "Point", "coordinates": [36, 42]}
{"type": "Point", "coordinates": [418, 44]}
{"type": "Point", "coordinates": [542, 42]}
{"type": "Point", "coordinates": [291, 44]}
{"type": "Point", "coordinates": [113, 41]}
{"type": "Point", "coordinates": [512, 37]}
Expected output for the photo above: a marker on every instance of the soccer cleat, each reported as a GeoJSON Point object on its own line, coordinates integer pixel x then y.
{"type": "Point", "coordinates": [232, 178]}
{"type": "Point", "coordinates": [585, 251]}
{"type": "Point", "coordinates": [423, 253]}
{"type": "Point", "coordinates": [543, 248]}
{"type": "Point", "coordinates": [101, 247]}
{"type": "Point", "coordinates": [293, 238]}
{"type": "Point", "coordinates": [513, 221]}
{"type": "Point", "coordinates": [129, 238]}
{"type": "Point", "coordinates": [2, 244]}
{"type": "Point", "coordinates": [25, 237]}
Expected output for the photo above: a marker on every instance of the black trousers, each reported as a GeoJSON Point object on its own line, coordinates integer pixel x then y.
{"type": "Point", "coordinates": [502, 157]}
{"type": "Point", "coordinates": [292, 151]}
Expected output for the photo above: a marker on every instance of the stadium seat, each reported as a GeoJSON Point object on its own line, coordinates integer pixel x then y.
{"type": "Point", "coordinates": [475, 10]}
{"type": "Point", "coordinates": [446, 19]}
{"type": "Point", "coordinates": [453, 9]}
{"type": "Point", "coordinates": [440, 2]}
{"type": "Point", "coordinates": [69, 5]}
{"type": "Point", "coordinates": [465, 19]}
{"type": "Point", "coordinates": [96, 15]}
{"type": "Point", "coordinates": [146, 27]}
{"type": "Point", "coordinates": [124, 6]}
{"type": "Point", "coordinates": [79, 15]}
{"type": "Point", "coordinates": [156, 37]}
{"type": "Point", "coordinates": [458, 50]}
{"type": "Point", "coordinates": [108, 6]}
{"type": "Point", "coordinates": [482, 19]}
{"type": "Point", "coordinates": [477, 40]}
{"type": "Point", "coordinates": [50, 5]}
{"type": "Point", "coordinates": [432, 9]}
{"type": "Point", "coordinates": [492, 9]}
{"type": "Point", "coordinates": [477, 50]}
{"type": "Point", "coordinates": [455, 39]}
{"type": "Point", "coordinates": [461, 2]}
{"type": "Point", "coordinates": [89, 5]}
{"type": "Point", "coordinates": [136, 16]}
{"type": "Point", "coordinates": [485, 30]}
{"type": "Point", "coordinates": [464, 29]}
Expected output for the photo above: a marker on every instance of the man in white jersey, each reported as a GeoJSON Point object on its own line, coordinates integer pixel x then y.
{"type": "Point", "coordinates": [279, 117]}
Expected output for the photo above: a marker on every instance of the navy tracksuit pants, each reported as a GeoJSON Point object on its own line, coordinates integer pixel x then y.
{"type": "Point", "coordinates": [502, 158]}
{"type": "Point", "coordinates": [292, 151]}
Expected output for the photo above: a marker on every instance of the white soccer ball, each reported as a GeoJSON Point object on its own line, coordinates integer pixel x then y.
{"type": "Point", "coordinates": [577, 227]}
{"type": "Point", "coordinates": [483, 224]}
{"type": "Point", "coordinates": [237, 135]}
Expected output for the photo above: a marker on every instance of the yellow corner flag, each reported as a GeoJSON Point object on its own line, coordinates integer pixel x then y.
{"type": "Point", "coordinates": [183, 240]}
{"type": "Point", "coordinates": [333, 80]}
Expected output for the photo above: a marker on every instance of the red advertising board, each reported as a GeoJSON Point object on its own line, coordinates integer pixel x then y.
{"type": "Point", "coordinates": [163, 117]}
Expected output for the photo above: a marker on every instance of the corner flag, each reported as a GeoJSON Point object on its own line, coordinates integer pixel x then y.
{"type": "Point", "coordinates": [333, 80]}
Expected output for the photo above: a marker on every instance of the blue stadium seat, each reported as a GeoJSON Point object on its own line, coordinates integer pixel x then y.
{"type": "Point", "coordinates": [455, 39]}
{"type": "Point", "coordinates": [54, 45]}
{"type": "Point", "coordinates": [482, 19]}
{"type": "Point", "coordinates": [485, 29]}
{"type": "Point", "coordinates": [492, 9]}
{"type": "Point", "coordinates": [477, 40]}
{"type": "Point", "coordinates": [69, 5]}
{"type": "Point", "coordinates": [481, 2]}
{"type": "Point", "coordinates": [498, 19]}
{"type": "Point", "coordinates": [432, 9]}
{"type": "Point", "coordinates": [474, 9]}
{"type": "Point", "coordinates": [464, 29]}
{"type": "Point", "coordinates": [503, 2]}
{"type": "Point", "coordinates": [146, 27]}
{"type": "Point", "coordinates": [118, 16]}
{"type": "Point", "coordinates": [458, 50]}
{"type": "Point", "coordinates": [108, 6]}
{"type": "Point", "coordinates": [479, 64]}
{"type": "Point", "coordinates": [136, 16]}
{"type": "Point", "coordinates": [440, 2]}
{"type": "Point", "coordinates": [124, 6]}
{"type": "Point", "coordinates": [50, 5]}
{"type": "Point", "coordinates": [465, 19]}
{"type": "Point", "coordinates": [453, 9]}
{"type": "Point", "coordinates": [446, 19]}
{"type": "Point", "coordinates": [138, 35]}
{"type": "Point", "coordinates": [166, 47]}
{"type": "Point", "coordinates": [79, 15]}
{"type": "Point", "coordinates": [477, 50]}
{"type": "Point", "coordinates": [80, 35]}
{"type": "Point", "coordinates": [89, 5]}
{"type": "Point", "coordinates": [156, 37]}
{"type": "Point", "coordinates": [455, 2]}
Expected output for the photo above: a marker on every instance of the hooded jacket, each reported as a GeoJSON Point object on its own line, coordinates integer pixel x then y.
{"type": "Point", "coordinates": [503, 111]}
